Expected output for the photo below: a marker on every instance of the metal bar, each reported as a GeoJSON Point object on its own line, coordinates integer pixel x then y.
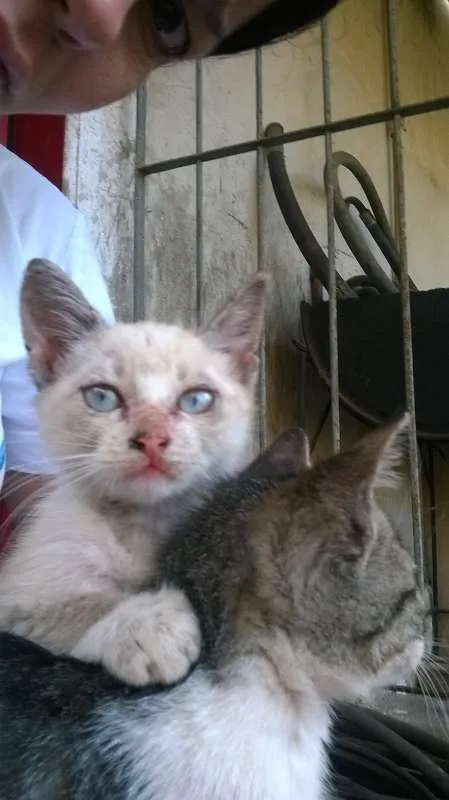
{"type": "Point", "coordinates": [332, 290]}
{"type": "Point", "coordinates": [398, 164]}
{"type": "Point", "coordinates": [199, 190]}
{"type": "Point", "coordinates": [262, 389]}
{"type": "Point", "coordinates": [138, 298]}
{"type": "Point", "coordinates": [433, 536]}
{"type": "Point", "coordinates": [263, 433]}
{"type": "Point", "coordinates": [298, 135]}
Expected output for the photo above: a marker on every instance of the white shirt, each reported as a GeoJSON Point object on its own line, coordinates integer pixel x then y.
{"type": "Point", "coordinates": [36, 221]}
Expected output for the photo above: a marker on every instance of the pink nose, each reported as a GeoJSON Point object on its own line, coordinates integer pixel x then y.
{"type": "Point", "coordinates": [151, 445]}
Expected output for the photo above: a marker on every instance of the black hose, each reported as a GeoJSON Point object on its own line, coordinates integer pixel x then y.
{"type": "Point", "coordinates": [348, 227]}
{"type": "Point", "coordinates": [376, 757]}
{"type": "Point", "coordinates": [295, 219]}
{"type": "Point", "coordinates": [384, 243]}
{"type": "Point", "coordinates": [374, 220]}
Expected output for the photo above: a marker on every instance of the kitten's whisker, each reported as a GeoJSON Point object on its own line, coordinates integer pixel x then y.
{"type": "Point", "coordinates": [26, 435]}
{"type": "Point", "coordinates": [440, 674]}
{"type": "Point", "coordinates": [23, 468]}
{"type": "Point", "coordinates": [437, 702]}
{"type": "Point", "coordinates": [441, 655]}
{"type": "Point", "coordinates": [441, 711]}
{"type": "Point", "coordinates": [420, 674]}
{"type": "Point", "coordinates": [75, 459]}
{"type": "Point", "coordinates": [430, 692]}
{"type": "Point", "coordinates": [77, 474]}
{"type": "Point", "coordinates": [17, 484]}
{"type": "Point", "coordinates": [436, 658]}
{"type": "Point", "coordinates": [17, 512]}
{"type": "Point", "coordinates": [441, 642]}
{"type": "Point", "coordinates": [82, 441]}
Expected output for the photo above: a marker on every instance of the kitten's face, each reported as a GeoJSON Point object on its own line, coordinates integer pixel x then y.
{"type": "Point", "coordinates": [143, 412]}
{"type": "Point", "coordinates": [352, 605]}
{"type": "Point", "coordinates": [168, 413]}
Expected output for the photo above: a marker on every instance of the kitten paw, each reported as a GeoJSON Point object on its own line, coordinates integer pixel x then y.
{"type": "Point", "coordinates": [149, 638]}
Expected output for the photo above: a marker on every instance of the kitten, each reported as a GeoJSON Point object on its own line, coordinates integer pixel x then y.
{"type": "Point", "coordinates": [141, 419]}
{"type": "Point", "coordinates": [305, 595]}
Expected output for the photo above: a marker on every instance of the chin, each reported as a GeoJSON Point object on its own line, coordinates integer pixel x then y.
{"type": "Point", "coordinates": [145, 490]}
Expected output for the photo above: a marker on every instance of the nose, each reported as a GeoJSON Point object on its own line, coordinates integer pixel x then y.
{"type": "Point", "coordinates": [91, 24]}
{"type": "Point", "coordinates": [152, 444]}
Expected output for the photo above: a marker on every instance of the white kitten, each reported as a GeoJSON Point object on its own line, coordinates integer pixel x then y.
{"type": "Point", "coordinates": [141, 419]}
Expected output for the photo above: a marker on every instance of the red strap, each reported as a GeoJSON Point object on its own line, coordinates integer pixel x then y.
{"type": "Point", "coordinates": [3, 130]}
{"type": "Point", "coordinates": [39, 140]}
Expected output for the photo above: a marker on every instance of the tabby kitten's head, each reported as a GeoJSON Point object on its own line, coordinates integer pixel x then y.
{"type": "Point", "coordinates": [140, 412]}
{"type": "Point", "coordinates": [309, 570]}
{"type": "Point", "coordinates": [351, 601]}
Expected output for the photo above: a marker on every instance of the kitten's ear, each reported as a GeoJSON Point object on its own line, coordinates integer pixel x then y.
{"type": "Point", "coordinates": [54, 315]}
{"type": "Point", "coordinates": [371, 462]}
{"type": "Point", "coordinates": [286, 457]}
{"type": "Point", "coordinates": [349, 481]}
{"type": "Point", "coordinates": [237, 330]}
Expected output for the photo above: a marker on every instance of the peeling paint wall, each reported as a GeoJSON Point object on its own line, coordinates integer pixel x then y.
{"type": "Point", "coordinates": [100, 159]}
{"type": "Point", "coordinates": [99, 179]}
{"type": "Point", "coordinates": [240, 226]}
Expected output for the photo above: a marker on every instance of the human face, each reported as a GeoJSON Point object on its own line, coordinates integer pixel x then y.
{"type": "Point", "coordinates": [64, 56]}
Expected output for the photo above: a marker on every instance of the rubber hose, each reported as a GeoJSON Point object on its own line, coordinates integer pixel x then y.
{"type": "Point", "coordinates": [383, 752]}
{"type": "Point", "coordinates": [348, 227]}
{"type": "Point", "coordinates": [295, 219]}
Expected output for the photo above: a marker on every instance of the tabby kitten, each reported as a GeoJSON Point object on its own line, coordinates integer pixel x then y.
{"type": "Point", "coordinates": [304, 595]}
{"type": "Point", "coordinates": [141, 419]}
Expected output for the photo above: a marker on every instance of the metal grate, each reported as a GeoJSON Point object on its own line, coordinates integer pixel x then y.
{"type": "Point", "coordinates": [394, 114]}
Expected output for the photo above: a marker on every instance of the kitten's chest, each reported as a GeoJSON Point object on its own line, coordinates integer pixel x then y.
{"type": "Point", "coordinates": [132, 547]}
{"type": "Point", "coordinates": [216, 743]}
{"type": "Point", "coordinates": [101, 548]}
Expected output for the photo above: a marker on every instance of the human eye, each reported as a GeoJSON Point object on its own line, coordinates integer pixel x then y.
{"type": "Point", "coordinates": [171, 26]}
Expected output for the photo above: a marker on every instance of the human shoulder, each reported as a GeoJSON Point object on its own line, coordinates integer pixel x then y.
{"type": "Point", "coordinates": [29, 194]}
{"type": "Point", "coordinates": [38, 221]}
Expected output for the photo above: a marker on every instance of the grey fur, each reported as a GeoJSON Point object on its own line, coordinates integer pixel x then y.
{"type": "Point", "coordinates": [55, 315]}
{"type": "Point", "coordinates": [304, 593]}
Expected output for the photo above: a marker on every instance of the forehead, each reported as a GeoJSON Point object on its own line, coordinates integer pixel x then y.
{"type": "Point", "coordinates": [132, 354]}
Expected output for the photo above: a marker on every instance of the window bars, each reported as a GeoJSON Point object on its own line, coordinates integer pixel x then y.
{"type": "Point", "coordinates": [394, 114]}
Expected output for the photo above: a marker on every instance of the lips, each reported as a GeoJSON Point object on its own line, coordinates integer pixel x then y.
{"type": "Point", "coordinates": [154, 468]}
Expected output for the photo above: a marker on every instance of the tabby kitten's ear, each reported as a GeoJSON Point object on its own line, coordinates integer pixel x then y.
{"type": "Point", "coordinates": [237, 330]}
{"type": "Point", "coordinates": [351, 479]}
{"type": "Point", "coordinates": [54, 315]}
{"type": "Point", "coordinates": [286, 457]}
{"type": "Point", "coordinates": [354, 477]}
{"type": "Point", "coordinates": [373, 459]}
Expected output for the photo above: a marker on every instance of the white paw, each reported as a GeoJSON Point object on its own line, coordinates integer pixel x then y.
{"type": "Point", "coordinates": [149, 638]}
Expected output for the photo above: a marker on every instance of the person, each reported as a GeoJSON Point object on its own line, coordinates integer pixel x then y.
{"type": "Point", "coordinates": [35, 220]}
{"type": "Point", "coordinates": [62, 56]}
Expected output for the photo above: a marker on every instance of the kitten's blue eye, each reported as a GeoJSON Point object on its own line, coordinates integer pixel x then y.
{"type": "Point", "coordinates": [196, 401]}
{"type": "Point", "coordinates": [102, 398]}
